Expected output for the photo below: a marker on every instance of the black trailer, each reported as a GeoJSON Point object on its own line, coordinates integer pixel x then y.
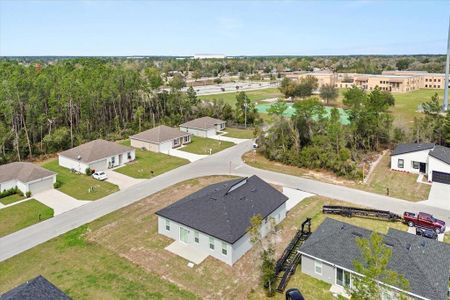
{"type": "Point", "coordinates": [348, 211]}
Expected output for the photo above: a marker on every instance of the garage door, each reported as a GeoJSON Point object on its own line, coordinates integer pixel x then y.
{"type": "Point", "coordinates": [99, 166]}
{"type": "Point", "coordinates": [40, 186]}
{"type": "Point", "coordinates": [441, 177]}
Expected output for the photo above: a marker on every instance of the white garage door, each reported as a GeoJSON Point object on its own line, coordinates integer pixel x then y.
{"type": "Point", "coordinates": [99, 165]}
{"type": "Point", "coordinates": [40, 186]}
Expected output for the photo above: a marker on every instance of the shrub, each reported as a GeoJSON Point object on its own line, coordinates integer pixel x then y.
{"type": "Point", "coordinates": [88, 171]}
{"type": "Point", "coordinates": [9, 192]}
{"type": "Point", "coordinates": [57, 184]}
{"type": "Point", "coordinates": [28, 194]}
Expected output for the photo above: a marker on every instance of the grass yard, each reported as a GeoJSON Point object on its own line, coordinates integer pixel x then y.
{"type": "Point", "coordinates": [256, 95]}
{"type": "Point", "coordinates": [23, 215]}
{"type": "Point", "coordinates": [11, 199]}
{"type": "Point", "coordinates": [201, 145]}
{"type": "Point", "coordinates": [240, 133]}
{"type": "Point", "coordinates": [77, 185]}
{"type": "Point", "coordinates": [401, 185]}
{"type": "Point", "coordinates": [147, 162]}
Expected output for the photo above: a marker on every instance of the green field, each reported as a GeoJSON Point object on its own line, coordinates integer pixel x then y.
{"type": "Point", "coordinates": [149, 164]}
{"type": "Point", "coordinates": [77, 185]}
{"type": "Point", "coordinates": [200, 145]}
{"type": "Point", "coordinates": [239, 133]}
{"type": "Point", "coordinates": [11, 199]}
{"type": "Point", "coordinates": [256, 95]}
{"type": "Point", "coordinates": [23, 215]}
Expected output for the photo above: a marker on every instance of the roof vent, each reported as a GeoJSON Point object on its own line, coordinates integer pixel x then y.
{"type": "Point", "coordinates": [214, 199]}
{"type": "Point", "coordinates": [253, 190]}
{"type": "Point", "coordinates": [243, 198]}
{"type": "Point", "coordinates": [422, 243]}
{"type": "Point", "coordinates": [408, 246]}
{"type": "Point", "coordinates": [389, 244]}
{"type": "Point", "coordinates": [358, 234]}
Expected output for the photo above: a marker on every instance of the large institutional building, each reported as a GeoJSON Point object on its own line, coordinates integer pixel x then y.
{"type": "Point", "coordinates": [393, 81]}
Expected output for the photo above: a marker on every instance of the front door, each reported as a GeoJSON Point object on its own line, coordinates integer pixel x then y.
{"type": "Point", "coordinates": [184, 235]}
{"type": "Point", "coordinates": [120, 159]}
{"type": "Point", "coordinates": [423, 167]}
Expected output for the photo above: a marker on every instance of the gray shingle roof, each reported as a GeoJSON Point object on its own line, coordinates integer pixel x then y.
{"type": "Point", "coordinates": [224, 212]}
{"type": "Point", "coordinates": [425, 263]}
{"type": "Point", "coordinates": [38, 288]}
{"type": "Point", "coordinates": [202, 123]}
{"type": "Point", "coordinates": [23, 171]}
{"type": "Point", "coordinates": [412, 147]}
{"type": "Point", "coordinates": [159, 134]}
{"type": "Point", "coordinates": [442, 153]}
{"type": "Point", "coordinates": [95, 150]}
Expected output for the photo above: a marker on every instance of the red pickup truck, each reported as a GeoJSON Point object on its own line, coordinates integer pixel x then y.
{"type": "Point", "coordinates": [424, 220]}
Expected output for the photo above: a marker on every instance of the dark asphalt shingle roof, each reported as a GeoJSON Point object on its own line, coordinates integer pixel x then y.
{"type": "Point", "coordinates": [23, 171]}
{"type": "Point", "coordinates": [442, 153]}
{"type": "Point", "coordinates": [225, 213]}
{"type": "Point", "coordinates": [425, 263]}
{"type": "Point", "coordinates": [159, 134]}
{"type": "Point", "coordinates": [412, 147]}
{"type": "Point", "coordinates": [38, 288]}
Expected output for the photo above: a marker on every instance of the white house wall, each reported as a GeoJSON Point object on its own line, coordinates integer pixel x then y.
{"type": "Point", "coordinates": [165, 147]}
{"type": "Point", "coordinates": [436, 165]}
{"type": "Point", "coordinates": [7, 185]}
{"type": "Point", "coordinates": [146, 145]}
{"type": "Point", "coordinates": [98, 164]}
{"type": "Point", "coordinates": [22, 186]}
{"type": "Point", "coordinates": [196, 132]}
{"type": "Point", "coordinates": [42, 184]}
{"type": "Point", "coordinates": [72, 164]}
{"type": "Point", "coordinates": [328, 273]}
{"type": "Point", "coordinates": [220, 127]}
{"type": "Point", "coordinates": [408, 158]}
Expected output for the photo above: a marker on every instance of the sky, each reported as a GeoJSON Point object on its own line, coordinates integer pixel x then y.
{"type": "Point", "coordinates": [178, 28]}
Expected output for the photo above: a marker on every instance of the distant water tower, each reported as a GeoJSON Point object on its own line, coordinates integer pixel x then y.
{"type": "Point", "coordinates": [445, 106]}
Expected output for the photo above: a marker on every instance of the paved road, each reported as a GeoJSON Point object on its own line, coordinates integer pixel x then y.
{"type": "Point", "coordinates": [223, 163]}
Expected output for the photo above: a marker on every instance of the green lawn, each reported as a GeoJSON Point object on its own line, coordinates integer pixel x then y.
{"type": "Point", "coordinates": [23, 215]}
{"type": "Point", "coordinates": [77, 186]}
{"type": "Point", "coordinates": [240, 133]}
{"type": "Point", "coordinates": [200, 145]}
{"type": "Point", "coordinates": [256, 95]}
{"type": "Point", "coordinates": [147, 162]}
{"type": "Point", "coordinates": [406, 105]}
{"type": "Point", "coordinates": [11, 199]}
{"type": "Point", "coordinates": [86, 270]}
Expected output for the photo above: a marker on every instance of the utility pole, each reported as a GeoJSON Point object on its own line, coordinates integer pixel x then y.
{"type": "Point", "coordinates": [445, 106]}
{"type": "Point", "coordinates": [245, 114]}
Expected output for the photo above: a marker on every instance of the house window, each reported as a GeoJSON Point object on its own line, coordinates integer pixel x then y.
{"type": "Point", "coordinates": [167, 225]}
{"type": "Point", "coordinates": [196, 237]}
{"type": "Point", "coordinates": [342, 277]}
{"type": "Point", "coordinates": [415, 164]}
{"type": "Point", "coordinates": [224, 248]}
{"type": "Point", "coordinates": [318, 267]}
{"type": "Point", "coordinates": [113, 160]}
{"type": "Point", "coordinates": [129, 155]}
{"type": "Point", "coordinates": [211, 243]}
{"type": "Point", "coordinates": [186, 139]}
{"type": "Point", "coordinates": [401, 163]}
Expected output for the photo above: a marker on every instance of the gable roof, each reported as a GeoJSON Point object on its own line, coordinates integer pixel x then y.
{"type": "Point", "coordinates": [442, 153]}
{"type": "Point", "coordinates": [95, 150]}
{"type": "Point", "coordinates": [23, 171]}
{"type": "Point", "coordinates": [411, 147]}
{"type": "Point", "coordinates": [202, 123]}
{"type": "Point", "coordinates": [159, 134]}
{"type": "Point", "coordinates": [223, 210]}
{"type": "Point", "coordinates": [425, 263]}
{"type": "Point", "coordinates": [38, 288]}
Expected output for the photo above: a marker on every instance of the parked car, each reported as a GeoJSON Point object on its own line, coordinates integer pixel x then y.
{"type": "Point", "coordinates": [426, 232]}
{"type": "Point", "coordinates": [294, 294]}
{"type": "Point", "coordinates": [424, 220]}
{"type": "Point", "coordinates": [99, 175]}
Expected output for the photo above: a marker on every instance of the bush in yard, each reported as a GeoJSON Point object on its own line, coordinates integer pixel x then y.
{"type": "Point", "coordinates": [28, 194]}
{"type": "Point", "coordinates": [57, 184]}
{"type": "Point", "coordinates": [9, 192]}
{"type": "Point", "coordinates": [89, 171]}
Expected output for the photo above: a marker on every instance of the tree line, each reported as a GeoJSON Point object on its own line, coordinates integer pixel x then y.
{"type": "Point", "coordinates": [46, 108]}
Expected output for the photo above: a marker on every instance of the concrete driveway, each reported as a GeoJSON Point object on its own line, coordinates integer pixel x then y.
{"type": "Point", "coordinates": [439, 196]}
{"type": "Point", "coordinates": [123, 181]}
{"type": "Point", "coordinates": [59, 201]}
{"type": "Point", "coordinates": [186, 155]}
{"type": "Point", "coordinates": [295, 197]}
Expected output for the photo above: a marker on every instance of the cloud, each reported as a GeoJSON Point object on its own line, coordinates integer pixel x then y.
{"type": "Point", "coordinates": [228, 26]}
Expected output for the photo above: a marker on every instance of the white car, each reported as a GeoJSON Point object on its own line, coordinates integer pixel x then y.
{"type": "Point", "coordinates": [99, 175]}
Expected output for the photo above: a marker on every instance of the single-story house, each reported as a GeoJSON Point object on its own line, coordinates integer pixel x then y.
{"type": "Point", "coordinates": [97, 155]}
{"type": "Point", "coordinates": [160, 139]}
{"type": "Point", "coordinates": [430, 159]}
{"type": "Point", "coordinates": [328, 254]}
{"type": "Point", "coordinates": [216, 219]}
{"type": "Point", "coordinates": [204, 127]}
{"type": "Point", "coordinates": [26, 176]}
{"type": "Point", "coordinates": [38, 288]}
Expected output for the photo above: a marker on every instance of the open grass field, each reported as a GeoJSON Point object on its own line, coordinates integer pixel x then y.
{"type": "Point", "coordinates": [201, 145]}
{"type": "Point", "coordinates": [11, 199]}
{"type": "Point", "coordinates": [240, 133]}
{"type": "Point", "coordinates": [401, 185]}
{"type": "Point", "coordinates": [77, 185]}
{"type": "Point", "coordinates": [23, 215]}
{"type": "Point", "coordinates": [149, 164]}
{"type": "Point", "coordinates": [256, 95]}
{"type": "Point", "coordinates": [406, 105]}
